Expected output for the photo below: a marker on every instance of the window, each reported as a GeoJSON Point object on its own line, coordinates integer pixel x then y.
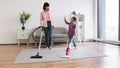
{"type": "Point", "coordinates": [108, 19]}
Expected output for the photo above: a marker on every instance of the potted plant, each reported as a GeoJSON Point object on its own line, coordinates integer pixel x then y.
{"type": "Point", "coordinates": [74, 13]}
{"type": "Point", "coordinates": [24, 16]}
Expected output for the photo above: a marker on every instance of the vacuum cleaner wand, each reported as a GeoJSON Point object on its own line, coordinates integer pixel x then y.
{"type": "Point", "coordinates": [38, 53]}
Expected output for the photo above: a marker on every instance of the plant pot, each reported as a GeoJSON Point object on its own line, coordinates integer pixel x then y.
{"type": "Point", "coordinates": [23, 28]}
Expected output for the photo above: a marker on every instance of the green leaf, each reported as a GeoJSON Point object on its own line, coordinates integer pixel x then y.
{"type": "Point", "coordinates": [24, 16]}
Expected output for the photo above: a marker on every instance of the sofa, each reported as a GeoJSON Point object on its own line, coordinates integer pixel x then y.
{"type": "Point", "coordinates": [59, 35]}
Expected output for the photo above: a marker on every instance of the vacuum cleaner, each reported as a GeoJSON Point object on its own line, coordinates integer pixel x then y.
{"type": "Point", "coordinates": [38, 53]}
{"type": "Point", "coordinates": [68, 49]}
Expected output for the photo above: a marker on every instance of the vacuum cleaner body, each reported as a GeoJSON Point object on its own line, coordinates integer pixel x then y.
{"type": "Point", "coordinates": [68, 49]}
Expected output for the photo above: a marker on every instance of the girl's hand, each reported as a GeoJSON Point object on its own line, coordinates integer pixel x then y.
{"type": "Point", "coordinates": [65, 18]}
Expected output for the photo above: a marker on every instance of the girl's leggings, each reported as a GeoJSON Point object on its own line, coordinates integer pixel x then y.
{"type": "Point", "coordinates": [70, 37]}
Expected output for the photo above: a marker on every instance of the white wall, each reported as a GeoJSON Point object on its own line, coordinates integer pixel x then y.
{"type": "Point", "coordinates": [95, 23]}
{"type": "Point", "coordinates": [10, 9]}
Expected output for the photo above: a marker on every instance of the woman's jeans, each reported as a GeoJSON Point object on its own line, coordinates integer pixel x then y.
{"type": "Point", "coordinates": [71, 39]}
{"type": "Point", "coordinates": [48, 34]}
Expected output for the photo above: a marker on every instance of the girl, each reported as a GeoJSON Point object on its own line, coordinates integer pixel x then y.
{"type": "Point", "coordinates": [71, 32]}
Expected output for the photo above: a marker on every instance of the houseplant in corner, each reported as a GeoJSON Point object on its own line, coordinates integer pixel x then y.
{"type": "Point", "coordinates": [24, 16]}
{"type": "Point", "coordinates": [74, 14]}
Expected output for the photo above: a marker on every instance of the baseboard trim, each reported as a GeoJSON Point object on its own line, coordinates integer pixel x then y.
{"type": "Point", "coordinates": [117, 43]}
{"type": "Point", "coordinates": [14, 44]}
{"type": "Point", "coordinates": [107, 41]}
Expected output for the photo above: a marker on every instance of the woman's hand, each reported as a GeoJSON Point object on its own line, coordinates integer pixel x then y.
{"type": "Point", "coordinates": [53, 26]}
{"type": "Point", "coordinates": [41, 26]}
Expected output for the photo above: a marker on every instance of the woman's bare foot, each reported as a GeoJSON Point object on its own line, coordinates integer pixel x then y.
{"type": "Point", "coordinates": [44, 46]}
{"type": "Point", "coordinates": [50, 47]}
{"type": "Point", "coordinates": [75, 48]}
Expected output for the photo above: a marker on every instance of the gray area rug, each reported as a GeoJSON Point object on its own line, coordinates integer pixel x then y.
{"type": "Point", "coordinates": [55, 55]}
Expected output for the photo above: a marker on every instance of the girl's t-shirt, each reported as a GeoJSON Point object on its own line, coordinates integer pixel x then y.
{"type": "Point", "coordinates": [71, 29]}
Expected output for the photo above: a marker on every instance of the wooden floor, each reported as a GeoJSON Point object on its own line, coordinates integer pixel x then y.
{"type": "Point", "coordinates": [8, 54]}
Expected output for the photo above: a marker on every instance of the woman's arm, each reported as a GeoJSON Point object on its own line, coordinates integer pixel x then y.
{"type": "Point", "coordinates": [52, 20]}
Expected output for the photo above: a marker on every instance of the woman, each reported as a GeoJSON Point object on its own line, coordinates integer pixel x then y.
{"type": "Point", "coordinates": [47, 23]}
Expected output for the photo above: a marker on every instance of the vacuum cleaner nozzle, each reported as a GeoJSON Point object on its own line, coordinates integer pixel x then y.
{"type": "Point", "coordinates": [37, 56]}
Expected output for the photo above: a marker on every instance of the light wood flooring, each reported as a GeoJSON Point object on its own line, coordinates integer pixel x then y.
{"type": "Point", "coordinates": [8, 54]}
